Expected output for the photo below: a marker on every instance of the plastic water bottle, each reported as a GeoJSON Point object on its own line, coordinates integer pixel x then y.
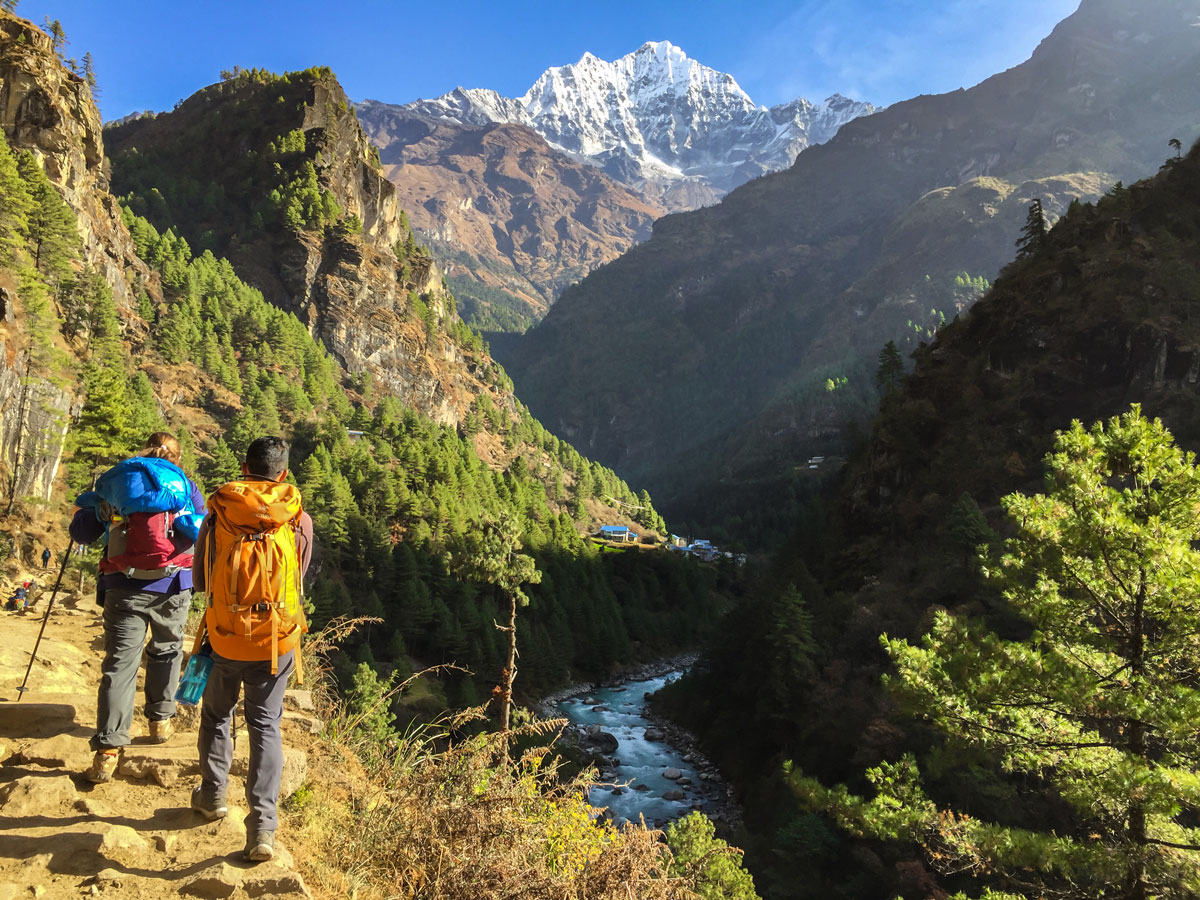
{"type": "Point", "coordinates": [195, 676]}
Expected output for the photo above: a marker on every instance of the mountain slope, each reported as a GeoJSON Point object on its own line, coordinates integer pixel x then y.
{"type": "Point", "coordinates": [741, 314]}
{"type": "Point", "coordinates": [514, 220]}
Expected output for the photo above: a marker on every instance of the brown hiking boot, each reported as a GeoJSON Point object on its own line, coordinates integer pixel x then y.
{"type": "Point", "coordinates": [161, 731]}
{"type": "Point", "coordinates": [104, 766]}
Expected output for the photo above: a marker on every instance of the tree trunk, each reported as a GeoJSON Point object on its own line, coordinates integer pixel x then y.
{"type": "Point", "coordinates": [510, 670]}
{"type": "Point", "coordinates": [1137, 746]}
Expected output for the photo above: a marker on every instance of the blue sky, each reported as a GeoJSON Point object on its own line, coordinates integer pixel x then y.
{"type": "Point", "coordinates": [150, 53]}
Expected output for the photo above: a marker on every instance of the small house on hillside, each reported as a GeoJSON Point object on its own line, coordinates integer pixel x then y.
{"type": "Point", "coordinates": [618, 533]}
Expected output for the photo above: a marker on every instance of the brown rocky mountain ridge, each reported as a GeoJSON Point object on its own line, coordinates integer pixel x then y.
{"type": "Point", "coordinates": [348, 288]}
{"type": "Point", "coordinates": [503, 209]}
{"type": "Point", "coordinates": [738, 313]}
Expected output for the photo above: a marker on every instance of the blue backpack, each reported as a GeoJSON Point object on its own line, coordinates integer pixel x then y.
{"type": "Point", "coordinates": [150, 520]}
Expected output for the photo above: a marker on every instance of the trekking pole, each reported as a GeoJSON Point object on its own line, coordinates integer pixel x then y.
{"type": "Point", "coordinates": [49, 606]}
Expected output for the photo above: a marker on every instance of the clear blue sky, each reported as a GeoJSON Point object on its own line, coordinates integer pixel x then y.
{"type": "Point", "coordinates": [150, 53]}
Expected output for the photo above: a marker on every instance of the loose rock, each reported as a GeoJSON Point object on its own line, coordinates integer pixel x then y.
{"type": "Point", "coordinates": [220, 880]}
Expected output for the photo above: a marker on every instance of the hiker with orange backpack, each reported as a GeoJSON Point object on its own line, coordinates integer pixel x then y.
{"type": "Point", "coordinates": [148, 512]}
{"type": "Point", "coordinates": [253, 550]}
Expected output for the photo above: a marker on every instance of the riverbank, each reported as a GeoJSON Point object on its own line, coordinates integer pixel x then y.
{"type": "Point", "coordinates": [648, 765]}
{"type": "Point", "coordinates": [548, 705]}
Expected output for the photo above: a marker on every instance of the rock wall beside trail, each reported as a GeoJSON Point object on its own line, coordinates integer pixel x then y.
{"type": "Point", "coordinates": [49, 111]}
{"type": "Point", "coordinates": [34, 414]}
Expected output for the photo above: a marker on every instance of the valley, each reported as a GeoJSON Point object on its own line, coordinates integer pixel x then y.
{"type": "Point", "coordinates": [923, 376]}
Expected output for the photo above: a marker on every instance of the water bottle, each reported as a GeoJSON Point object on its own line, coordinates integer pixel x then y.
{"type": "Point", "coordinates": [195, 676]}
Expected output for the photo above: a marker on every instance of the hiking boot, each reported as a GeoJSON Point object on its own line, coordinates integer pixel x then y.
{"type": "Point", "coordinates": [208, 805]}
{"type": "Point", "coordinates": [161, 730]}
{"type": "Point", "coordinates": [104, 765]}
{"type": "Point", "coordinates": [260, 846]}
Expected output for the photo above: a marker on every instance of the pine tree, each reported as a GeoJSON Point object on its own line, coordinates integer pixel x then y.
{"type": "Point", "coordinates": [10, 5]}
{"type": "Point", "coordinates": [53, 237]}
{"type": "Point", "coordinates": [491, 555]}
{"type": "Point", "coordinates": [1097, 705]}
{"type": "Point", "coordinates": [15, 203]}
{"type": "Point", "coordinates": [890, 369]}
{"type": "Point", "coordinates": [1033, 235]}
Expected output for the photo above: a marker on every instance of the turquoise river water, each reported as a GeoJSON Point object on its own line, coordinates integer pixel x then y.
{"type": "Point", "coordinates": [639, 786]}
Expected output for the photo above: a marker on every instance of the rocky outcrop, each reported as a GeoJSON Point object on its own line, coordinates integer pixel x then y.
{"type": "Point", "coordinates": [516, 215]}
{"type": "Point", "coordinates": [347, 163]}
{"type": "Point", "coordinates": [48, 110]}
{"type": "Point", "coordinates": [342, 278]}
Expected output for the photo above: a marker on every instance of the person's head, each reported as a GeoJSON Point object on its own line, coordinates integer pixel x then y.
{"type": "Point", "coordinates": [267, 458]}
{"type": "Point", "coordinates": [164, 446]}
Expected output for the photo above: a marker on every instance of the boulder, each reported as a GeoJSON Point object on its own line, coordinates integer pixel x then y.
{"type": "Point", "coordinates": [674, 794]}
{"type": "Point", "coordinates": [295, 767]}
{"type": "Point", "coordinates": [275, 884]}
{"type": "Point", "coordinates": [641, 787]}
{"type": "Point", "coordinates": [36, 719]}
{"type": "Point", "coordinates": [299, 701]}
{"type": "Point", "coordinates": [32, 795]}
{"type": "Point", "coordinates": [63, 751]}
{"type": "Point", "coordinates": [121, 837]}
{"type": "Point", "coordinates": [220, 880]}
{"type": "Point", "coordinates": [601, 740]}
{"type": "Point", "coordinates": [162, 764]}
{"type": "Point", "coordinates": [672, 774]}
{"type": "Point", "coordinates": [303, 722]}
{"type": "Point", "coordinates": [654, 734]}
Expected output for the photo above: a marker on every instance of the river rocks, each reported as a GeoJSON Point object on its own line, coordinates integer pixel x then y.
{"type": "Point", "coordinates": [674, 794]}
{"type": "Point", "coordinates": [655, 734]}
{"type": "Point", "coordinates": [672, 774]}
{"type": "Point", "coordinates": [683, 781]}
{"type": "Point", "coordinates": [641, 787]}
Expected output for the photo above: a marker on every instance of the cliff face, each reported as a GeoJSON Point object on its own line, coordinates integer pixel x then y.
{"type": "Point", "coordinates": [512, 214]}
{"type": "Point", "coordinates": [741, 313]}
{"type": "Point", "coordinates": [49, 111]}
{"type": "Point", "coordinates": [34, 415]}
{"type": "Point", "coordinates": [326, 250]}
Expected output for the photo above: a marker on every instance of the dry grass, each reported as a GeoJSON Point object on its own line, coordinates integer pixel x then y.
{"type": "Point", "coordinates": [437, 816]}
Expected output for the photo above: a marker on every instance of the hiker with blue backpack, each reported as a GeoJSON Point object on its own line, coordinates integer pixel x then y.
{"type": "Point", "coordinates": [148, 513]}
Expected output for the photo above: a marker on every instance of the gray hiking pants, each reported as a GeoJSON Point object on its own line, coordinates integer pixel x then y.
{"type": "Point", "coordinates": [264, 710]}
{"type": "Point", "coordinates": [128, 615]}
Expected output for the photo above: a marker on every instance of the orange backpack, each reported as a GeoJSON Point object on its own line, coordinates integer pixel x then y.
{"type": "Point", "coordinates": [252, 572]}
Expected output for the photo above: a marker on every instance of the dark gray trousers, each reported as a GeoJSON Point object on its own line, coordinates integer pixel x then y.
{"type": "Point", "coordinates": [264, 710]}
{"type": "Point", "coordinates": [128, 615]}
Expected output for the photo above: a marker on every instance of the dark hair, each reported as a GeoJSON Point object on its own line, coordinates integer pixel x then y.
{"type": "Point", "coordinates": [267, 457]}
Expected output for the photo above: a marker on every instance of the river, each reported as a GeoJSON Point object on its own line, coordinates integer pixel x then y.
{"type": "Point", "coordinates": [620, 710]}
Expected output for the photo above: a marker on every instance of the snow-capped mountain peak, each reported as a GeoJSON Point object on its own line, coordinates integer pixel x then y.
{"type": "Point", "coordinates": [655, 115]}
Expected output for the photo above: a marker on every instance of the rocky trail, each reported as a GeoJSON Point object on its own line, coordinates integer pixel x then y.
{"type": "Point", "coordinates": [134, 837]}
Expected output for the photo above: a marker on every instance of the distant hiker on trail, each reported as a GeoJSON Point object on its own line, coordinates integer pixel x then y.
{"type": "Point", "coordinates": [148, 512]}
{"type": "Point", "coordinates": [45, 557]}
{"type": "Point", "coordinates": [20, 598]}
{"type": "Point", "coordinates": [251, 556]}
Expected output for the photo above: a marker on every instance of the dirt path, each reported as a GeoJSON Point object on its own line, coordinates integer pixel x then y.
{"type": "Point", "coordinates": [135, 837]}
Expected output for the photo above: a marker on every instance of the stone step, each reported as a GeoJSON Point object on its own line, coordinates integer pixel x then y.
{"type": "Point", "coordinates": [36, 716]}
{"type": "Point", "coordinates": [166, 763]}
